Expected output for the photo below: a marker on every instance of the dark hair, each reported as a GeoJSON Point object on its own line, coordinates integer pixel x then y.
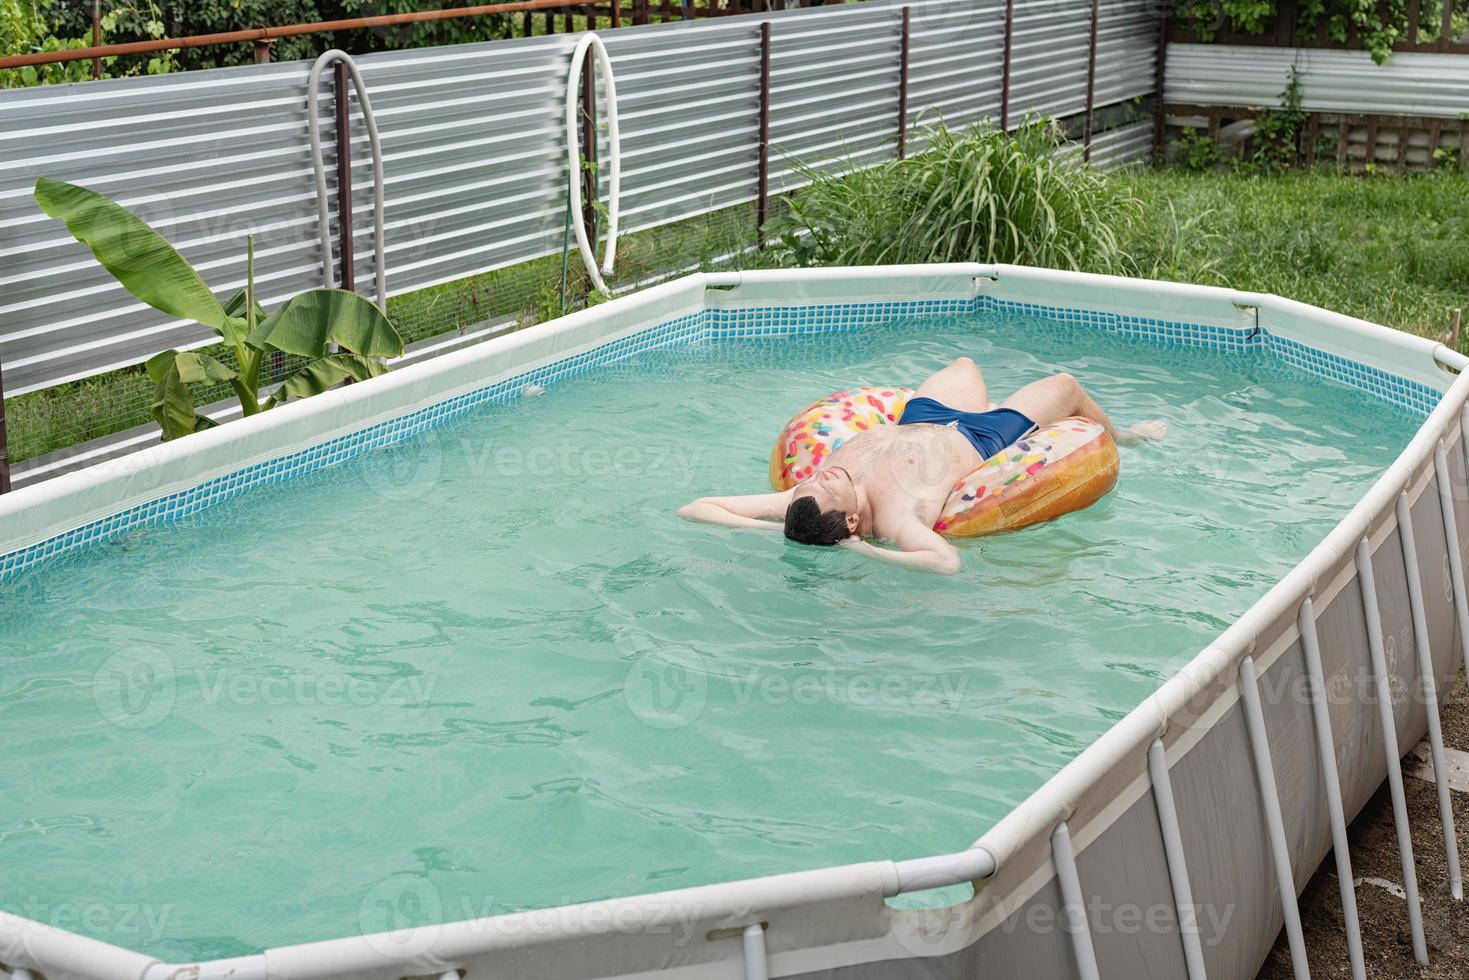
{"type": "Point", "coordinates": [806, 523]}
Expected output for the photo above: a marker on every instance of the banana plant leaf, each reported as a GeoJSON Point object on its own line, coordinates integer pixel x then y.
{"type": "Point", "coordinates": [140, 258]}
{"type": "Point", "coordinates": [309, 323]}
{"type": "Point", "coordinates": [173, 401]}
{"type": "Point", "coordinates": [324, 373]}
{"type": "Point", "coordinates": [236, 308]}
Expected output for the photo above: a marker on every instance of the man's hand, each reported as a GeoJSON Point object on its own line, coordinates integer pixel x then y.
{"type": "Point", "coordinates": [923, 549]}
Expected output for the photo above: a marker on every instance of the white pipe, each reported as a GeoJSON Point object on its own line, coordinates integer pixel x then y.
{"type": "Point", "coordinates": [1249, 689]}
{"type": "Point", "coordinates": [1073, 904]}
{"type": "Point", "coordinates": [1456, 562]}
{"type": "Point", "coordinates": [573, 162]}
{"type": "Point", "coordinates": [1428, 687]}
{"type": "Point", "coordinates": [1383, 687]}
{"type": "Point", "coordinates": [757, 964]}
{"type": "Point", "coordinates": [313, 132]}
{"type": "Point", "coordinates": [1183, 895]}
{"type": "Point", "coordinates": [921, 874]}
{"type": "Point", "coordinates": [1331, 779]}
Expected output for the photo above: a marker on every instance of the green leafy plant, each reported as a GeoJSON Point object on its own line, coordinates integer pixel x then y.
{"type": "Point", "coordinates": [1377, 24]}
{"type": "Point", "coordinates": [1196, 152]}
{"type": "Point", "coordinates": [979, 196]}
{"type": "Point", "coordinates": [1275, 144]}
{"type": "Point", "coordinates": [341, 334]}
{"type": "Point", "coordinates": [43, 26]}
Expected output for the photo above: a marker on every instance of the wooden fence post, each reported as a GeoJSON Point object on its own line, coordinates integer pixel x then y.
{"type": "Point", "coordinates": [903, 85]}
{"type": "Point", "coordinates": [1091, 81]}
{"type": "Point", "coordinates": [1160, 96]}
{"type": "Point", "coordinates": [762, 201]}
{"type": "Point", "coordinates": [1005, 66]}
{"type": "Point", "coordinates": [4, 443]}
{"type": "Point", "coordinates": [589, 151]}
{"type": "Point", "coordinates": [346, 277]}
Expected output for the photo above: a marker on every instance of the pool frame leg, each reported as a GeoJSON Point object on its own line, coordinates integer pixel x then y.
{"type": "Point", "coordinates": [1183, 896]}
{"type": "Point", "coordinates": [757, 963]}
{"type": "Point", "coordinates": [1073, 905]}
{"type": "Point", "coordinates": [1428, 688]}
{"type": "Point", "coordinates": [1383, 688]}
{"type": "Point", "coordinates": [1249, 687]}
{"type": "Point", "coordinates": [1456, 560]}
{"type": "Point", "coordinates": [1336, 813]}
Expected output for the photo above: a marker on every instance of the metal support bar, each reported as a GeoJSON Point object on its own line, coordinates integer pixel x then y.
{"type": "Point", "coordinates": [1160, 118]}
{"type": "Point", "coordinates": [1073, 906]}
{"type": "Point", "coordinates": [589, 154]}
{"type": "Point", "coordinates": [1428, 688]}
{"type": "Point", "coordinates": [1091, 81]}
{"type": "Point", "coordinates": [96, 36]}
{"type": "Point", "coordinates": [1005, 66]}
{"type": "Point", "coordinates": [1183, 895]}
{"type": "Point", "coordinates": [313, 128]}
{"type": "Point", "coordinates": [342, 100]}
{"type": "Point", "coordinates": [762, 203]}
{"type": "Point", "coordinates": [1383, 689]}
{"type": "Point", "coordinates": [1249, 689]}
{"type": "Point", "coordinates": [262, 52]}
{"type": "Point", "coordinates": [1336, 813]}
{"type": "Point", "coordinates": [1452, 541]}
{"type": "Point", "coordinates": [4, 442]}
{"type": "Point", "coordinates": [757, 963]}
{"type": "Point", "coordinates": [903, 84]}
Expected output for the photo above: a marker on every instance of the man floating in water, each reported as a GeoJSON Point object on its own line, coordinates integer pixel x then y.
{"type": "Point", "coordinates": [891, 481]}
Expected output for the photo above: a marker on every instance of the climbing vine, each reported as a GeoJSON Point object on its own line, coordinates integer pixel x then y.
{"type": "Point", "coordinates": [1379, 24]}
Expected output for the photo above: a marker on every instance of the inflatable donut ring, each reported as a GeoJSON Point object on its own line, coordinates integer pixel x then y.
{"type": "Point", "coordinates": [1057, 469]}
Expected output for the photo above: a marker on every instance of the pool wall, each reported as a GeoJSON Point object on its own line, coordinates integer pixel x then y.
{"type": "Point", "coordinates": [1194, 800]}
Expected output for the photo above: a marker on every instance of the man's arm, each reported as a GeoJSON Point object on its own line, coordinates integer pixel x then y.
{"type": "Point", "coordinates": [923, 549]}
{"type": "Point", "coordinates": [752, 510]}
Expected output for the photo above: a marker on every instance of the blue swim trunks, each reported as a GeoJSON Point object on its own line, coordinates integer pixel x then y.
{"type": "Point", "coordinates": [988, 432]}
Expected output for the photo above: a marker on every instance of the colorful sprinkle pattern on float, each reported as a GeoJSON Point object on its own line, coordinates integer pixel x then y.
{"type": "Point", "coordinates": [1060, 468]}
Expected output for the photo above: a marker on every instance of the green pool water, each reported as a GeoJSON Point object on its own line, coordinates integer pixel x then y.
{"type": "Point", "coordinates": [489, 670]}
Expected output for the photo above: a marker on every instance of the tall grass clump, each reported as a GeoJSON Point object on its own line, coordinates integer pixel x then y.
{"type": "Point", "coordinates": [974, 196]}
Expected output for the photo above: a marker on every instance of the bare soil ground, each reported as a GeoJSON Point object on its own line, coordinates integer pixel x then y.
{"type": "Point", "coordinates": [1386, 940]}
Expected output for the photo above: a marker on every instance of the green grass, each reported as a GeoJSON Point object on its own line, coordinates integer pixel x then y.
{"type": "Point", "coordinates": [1392, 250]}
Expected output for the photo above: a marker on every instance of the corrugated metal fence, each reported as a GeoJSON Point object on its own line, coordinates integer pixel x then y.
{"type": "Point", "coordinates": [475, 168]}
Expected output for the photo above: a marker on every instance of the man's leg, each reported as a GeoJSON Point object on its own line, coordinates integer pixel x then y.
{"type": "Point", "coordinates": [959, 386]}
{"type": "Point", "coordinates": [1057, 397]}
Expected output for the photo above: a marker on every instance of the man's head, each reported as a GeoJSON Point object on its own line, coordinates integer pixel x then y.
{"type": "Point", "coordinates": [824, 510]}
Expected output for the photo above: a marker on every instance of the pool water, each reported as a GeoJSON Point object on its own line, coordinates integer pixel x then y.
{"type": "Point", "coordinates": [489, 670]}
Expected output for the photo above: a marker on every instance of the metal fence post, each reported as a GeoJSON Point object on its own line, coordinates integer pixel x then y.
{"type": "Point", "coordinates": [345, 275]}
{"type": "Point", "coordinates": [903, 85]}
{"type": "Point", "coordinates": [4, 442]}
{"type": "Point", "coordinates": [1160, 118]}
{"type": "Point", "coordinates": [1091, 81]}
{"type": "Point", "coordinates": [589, 152]}
{"type": "Point", "coordinates": [1005, 66]}
{"type": "Point", "coordinates": [762, 202]}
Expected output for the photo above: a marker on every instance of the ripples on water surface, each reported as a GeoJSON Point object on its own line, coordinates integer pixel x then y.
{"type": "Point", "coordinates": [489, 670]}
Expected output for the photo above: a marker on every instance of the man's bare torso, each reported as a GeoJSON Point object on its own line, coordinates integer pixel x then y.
{"type": "Point", "coordinates": [905, 470]}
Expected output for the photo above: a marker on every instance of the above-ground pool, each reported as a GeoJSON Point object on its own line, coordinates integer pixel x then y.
{"type": "Point", "coordinates": [453, 659]}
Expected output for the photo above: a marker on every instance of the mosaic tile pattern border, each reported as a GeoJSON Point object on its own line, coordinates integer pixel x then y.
{"type": "Point", "coordinates": [691, 328]}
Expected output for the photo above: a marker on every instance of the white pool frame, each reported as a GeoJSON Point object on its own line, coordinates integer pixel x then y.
{"type": "Point", "coordinates": [1231, 781]}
